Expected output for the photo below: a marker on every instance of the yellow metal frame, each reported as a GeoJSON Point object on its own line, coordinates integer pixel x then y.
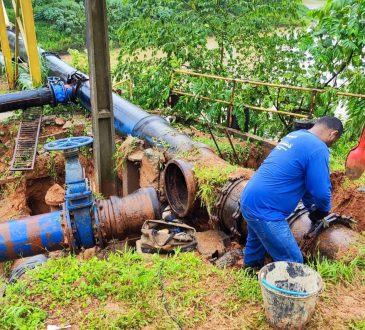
{"type": "Point", "coordinates": [123, 82]}
{"type": "Point", "coordinates": [4, 42]}
{"type": "Point", "coordinates": [24, 23]}
{"type": "Point", "coordinates": [231, 103]}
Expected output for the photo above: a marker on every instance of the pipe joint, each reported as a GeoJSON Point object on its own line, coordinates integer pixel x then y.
{"type": "Point", "coordinates": [62, 93]}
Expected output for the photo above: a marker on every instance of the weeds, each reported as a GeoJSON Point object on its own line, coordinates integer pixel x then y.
{"type": "Point", "coordinates": [357, 325]}
{"type": "Point", "coordinates": [242, 152]}
{"type": "Point", "coordinates": [51, 165]}
{"type": "Point", "coordinates": [123, 150]}
{"type": "Point", "coordinates": [341, 270]}
{"type": "Point", "coordinates": [210, 179]}
{"type": "Point", "coordinates": [124, 291]}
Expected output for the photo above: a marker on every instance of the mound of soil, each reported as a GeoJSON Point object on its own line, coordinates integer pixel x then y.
{"type": "Point", "coordinates": [347, 200]}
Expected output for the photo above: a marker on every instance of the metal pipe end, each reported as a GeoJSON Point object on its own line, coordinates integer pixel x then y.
{"type": "Point", "coordinates": [180, 186]}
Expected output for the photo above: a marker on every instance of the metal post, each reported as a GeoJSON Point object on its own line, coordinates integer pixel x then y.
{"type": "Point", "coordinates": [101, 96]}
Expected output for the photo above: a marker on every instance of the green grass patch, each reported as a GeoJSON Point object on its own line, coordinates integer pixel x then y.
{"type": "Point", "coordinates": [210, 179]}
{"type": "Point", "coordinates": [345, 270]}
{"type": "Point", "coordinates": [124, 291]}
{"type": "Point", "coordinates": [357, 325]}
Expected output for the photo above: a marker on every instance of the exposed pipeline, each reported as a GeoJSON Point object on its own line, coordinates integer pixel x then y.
{"type": "Point", "coordinates": [83, 222]}
{"type": "Point", "coordinates": [180, 183]}
{"type": "Point", "coordinates": [118, 217]}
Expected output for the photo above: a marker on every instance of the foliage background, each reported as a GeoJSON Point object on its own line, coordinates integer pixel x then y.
{"type": "Point", "coordinates": [277, 41]}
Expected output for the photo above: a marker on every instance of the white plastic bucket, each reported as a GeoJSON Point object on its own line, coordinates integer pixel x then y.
{"type": "Point", "coordinates": [290, 291]}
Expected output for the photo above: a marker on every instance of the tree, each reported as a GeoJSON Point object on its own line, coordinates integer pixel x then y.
{"type": "Point", "coordinates": [161, 35]}
{"type": "Point", "coordinates": [337, 45]}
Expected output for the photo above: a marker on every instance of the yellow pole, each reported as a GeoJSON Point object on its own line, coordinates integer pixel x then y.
{"type": "Point", "coordinates": [5, 47]}
{"type": "Point", "coordinates": [31, 42]}
{"type": "Point", "coordinates": [260, 83]}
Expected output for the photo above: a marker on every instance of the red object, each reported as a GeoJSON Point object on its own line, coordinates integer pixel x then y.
{"type": "Point", "coordinates": [355, 162]}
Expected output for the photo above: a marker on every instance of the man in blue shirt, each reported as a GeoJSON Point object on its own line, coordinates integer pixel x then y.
{"type": "Point", "coordinates": [297, 169]}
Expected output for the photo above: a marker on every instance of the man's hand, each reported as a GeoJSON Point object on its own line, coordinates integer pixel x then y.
{"type": "Point", "coordinates": [317, 215]}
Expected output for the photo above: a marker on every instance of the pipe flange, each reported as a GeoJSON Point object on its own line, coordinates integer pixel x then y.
{"type": "Point", "coordinates": [67, 229]}
{"type": "Point", "coordinates": [180, 186]}
{"type": "Point", "coordinates": [233, 225]}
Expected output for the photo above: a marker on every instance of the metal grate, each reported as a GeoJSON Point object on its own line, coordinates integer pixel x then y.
{"type": "Point", "coordinates": [27, 140]}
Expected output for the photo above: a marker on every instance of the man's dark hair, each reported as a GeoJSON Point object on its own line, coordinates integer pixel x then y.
{"type": "Point", "coordinates": [332, 123]}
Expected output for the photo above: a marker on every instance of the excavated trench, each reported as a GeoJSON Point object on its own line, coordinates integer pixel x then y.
{"type": "Point", "coordinates": [28, 196]}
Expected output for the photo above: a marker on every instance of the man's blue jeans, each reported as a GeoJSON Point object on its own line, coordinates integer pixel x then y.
{"type": "Point", "coordinates": [272, 237]}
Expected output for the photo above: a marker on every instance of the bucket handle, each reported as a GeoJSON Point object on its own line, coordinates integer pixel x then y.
{"type": "Point", "coordinates": [293, 293]}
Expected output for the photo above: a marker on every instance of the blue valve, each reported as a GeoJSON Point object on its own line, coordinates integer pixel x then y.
{"type": "Point", "coordinates": [74, 142]}
{"type": "Point", "coordinates": [79, 210]}
{"type": "Point", "coordinates": [62, 93]}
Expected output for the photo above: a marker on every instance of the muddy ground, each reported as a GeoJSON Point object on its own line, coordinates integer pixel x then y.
{"type": "Point", "coordinates": [24, 195]}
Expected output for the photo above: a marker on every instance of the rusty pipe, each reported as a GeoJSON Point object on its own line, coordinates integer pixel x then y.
{"type": "Point", "coordinates": [121, 217]}
{"type": "Point", "coordinates": [334, 242]}
{"type": "Point", "coordinates": [117, 218]}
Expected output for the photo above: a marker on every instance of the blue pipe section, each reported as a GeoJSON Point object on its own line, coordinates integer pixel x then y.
{"type": "Point", "coordinates": [30, 236]}
{"type": "Point", "coordinates": [129, 119]}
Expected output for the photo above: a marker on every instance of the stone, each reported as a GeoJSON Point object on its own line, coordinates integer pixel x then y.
{"type": "Point", "coordinates": [210, 244]}
{"type": "Point", "coordinates": [89, 253]}
{"type": "Point", "coordinates": [60, 121]}
{"type": "Point", "coordinates": [47, 120]}
{"type": "Point", "coordinates": [229, 259]}
{"type": "Point", "coordinates": [55, 195]}
{"type": "Point", "coordinates": [150, 169]}
{"type": "Point", "coordinates": [68, 124]}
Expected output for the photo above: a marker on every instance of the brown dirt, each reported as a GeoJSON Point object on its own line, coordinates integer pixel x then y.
{"type": "Point", "coordinates": [14, 206]}
{"type": "Point", "coordinates": [55, 195]}
{"type": "Point", "coordinates": [338, 306]}
{"type": "Point", "coordinates": [347, 200]}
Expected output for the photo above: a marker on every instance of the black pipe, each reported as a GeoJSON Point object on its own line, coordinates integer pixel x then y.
{"type": "Point", "coordinates": [25, 99]}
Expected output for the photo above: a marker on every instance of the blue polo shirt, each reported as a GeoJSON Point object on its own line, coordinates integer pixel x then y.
{"type": "Point", "coordinates": [298, 168]}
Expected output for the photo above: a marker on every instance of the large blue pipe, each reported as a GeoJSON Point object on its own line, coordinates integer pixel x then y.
{"type": "Point", "coordinates": [129, 119]}
{"type": "Point", "coordinates": [30, 236]}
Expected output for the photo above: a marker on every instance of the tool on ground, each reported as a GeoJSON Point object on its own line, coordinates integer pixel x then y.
{"type": "Point", "coordinates": [163, 237]}
{"type": "Point", "coordinates": [355, 162]}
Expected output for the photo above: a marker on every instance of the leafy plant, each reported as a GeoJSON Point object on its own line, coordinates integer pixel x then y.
{"type": "Point", "coordinates": [124, 149]}
{"type": "Point", "coordinates": [79, 60]}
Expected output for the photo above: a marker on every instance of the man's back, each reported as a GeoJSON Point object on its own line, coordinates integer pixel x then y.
{"type": "Point", "coordinates": [297, 166]}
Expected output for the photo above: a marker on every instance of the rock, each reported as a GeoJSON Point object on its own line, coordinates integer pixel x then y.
{"type": "Point", "coordinates": [47, 120]}
{"type": "Point", "coordinates": [60, 121]}
{"type": "Point", "coordinates": [229, 259]}
{"type": "Point", "coordinates": [68, 124]}
{"type": "Point", "coordinates": [89, 253]}
{"type": "Point", "coordinates": [150, 169]}
{"type": "Point", "coordinates": [136, 156]}
{"type": "Point", "coordinates": [211, 244]}
{"type": "Point", "coordinates": [55, 195]}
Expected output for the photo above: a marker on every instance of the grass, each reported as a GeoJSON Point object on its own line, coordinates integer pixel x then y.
{"type": "Point", "coordinates": [345, 270]}
{"type": "Point", "coordinates": [210, 179]}
{"type": "Point", "coordinates": [125, 149]}
{"type": "Point", "coordinates": [357, 325]}
{"type": "Point", "coordinates": [128, 291]}
{"type": "Point", "coordinates": [125, 291]}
